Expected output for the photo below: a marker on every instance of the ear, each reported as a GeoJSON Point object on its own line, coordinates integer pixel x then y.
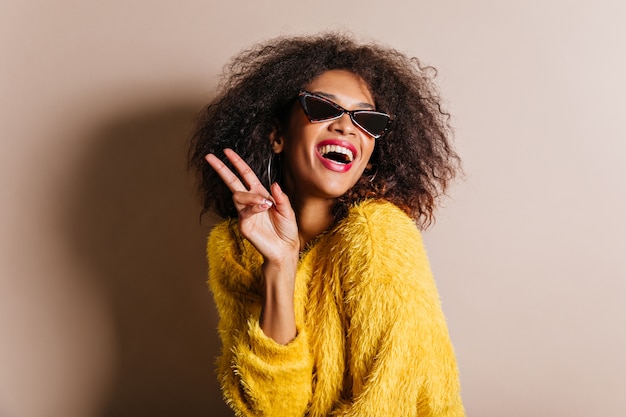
{"type": "Point", "coordinates": [276, 139]}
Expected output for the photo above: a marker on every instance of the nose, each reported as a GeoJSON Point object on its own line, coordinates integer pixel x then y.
{"type": "Point", "coordinates": [343, 125]}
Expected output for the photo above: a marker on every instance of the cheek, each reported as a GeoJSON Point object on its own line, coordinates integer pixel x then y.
{"type": "Point", "coordinates": [368, 150]}
{"type": "Point", "coordinates": [300, 131]}
{"type": "Point", "coordinates": [302, 139]}
{"type": "Point", "coordinates": [297, 121]}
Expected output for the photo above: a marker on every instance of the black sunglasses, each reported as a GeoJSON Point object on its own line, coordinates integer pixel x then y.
{"type": "Point", "coordinates": [320, 109]}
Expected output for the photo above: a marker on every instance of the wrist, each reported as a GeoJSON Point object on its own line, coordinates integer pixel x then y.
{"type": "Point", "coordinates": [280, 278]}
{"type": "Point", "coordinates": [281, 265]}
{"type": "Point", "coordinates": [277, 318]}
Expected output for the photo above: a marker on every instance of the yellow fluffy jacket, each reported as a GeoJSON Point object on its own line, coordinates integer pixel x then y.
{"type": "Point", "coordinates": [372, 339]}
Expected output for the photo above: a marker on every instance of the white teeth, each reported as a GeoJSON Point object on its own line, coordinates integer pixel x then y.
{"type": "Point", "coordinates": [326, 149]}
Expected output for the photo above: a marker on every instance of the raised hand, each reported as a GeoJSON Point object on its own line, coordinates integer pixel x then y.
{"type": "Point", "coordinates": [266, 220]}
{"type": "Point", "coordinates": [269, 223]}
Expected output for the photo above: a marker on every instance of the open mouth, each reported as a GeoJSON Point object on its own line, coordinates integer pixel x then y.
{"type": "Point", "coordinates": [336, 153]}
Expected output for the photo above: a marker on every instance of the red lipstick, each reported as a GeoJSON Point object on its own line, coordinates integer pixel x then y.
{"type": "Point", "coordinates": [336, 155]}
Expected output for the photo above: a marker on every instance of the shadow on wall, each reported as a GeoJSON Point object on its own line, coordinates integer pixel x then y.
{"type": "Point", "coordinates": [133, 220]}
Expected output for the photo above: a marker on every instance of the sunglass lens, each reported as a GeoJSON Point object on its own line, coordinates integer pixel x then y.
{"type": "Point", "coordinates": [375, 123]}
{"type": "Point", "coordinates": [320, 109]}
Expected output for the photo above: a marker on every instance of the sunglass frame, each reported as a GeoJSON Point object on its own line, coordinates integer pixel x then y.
{"type": "Point", "coordinates": [303, 94]}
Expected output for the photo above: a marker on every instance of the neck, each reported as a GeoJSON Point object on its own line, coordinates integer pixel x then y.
{"type": "Point", "coordinates": [314, 217]}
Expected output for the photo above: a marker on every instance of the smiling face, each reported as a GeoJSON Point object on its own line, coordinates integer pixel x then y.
{"type": "Point", "coordinates": [325, 159]}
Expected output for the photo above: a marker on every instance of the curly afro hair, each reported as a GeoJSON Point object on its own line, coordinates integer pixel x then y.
{"type": "Point", "coordinates": [412, 165]}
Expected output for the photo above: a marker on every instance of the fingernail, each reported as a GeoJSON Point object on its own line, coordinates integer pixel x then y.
{"type": "Point", "coordinates": [267, 204]}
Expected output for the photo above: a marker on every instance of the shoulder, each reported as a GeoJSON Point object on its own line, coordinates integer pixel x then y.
{"type": "Point", "coordinates": [231, 257]}
{"type": "Point", "coordinates": [378, 240]}
{"type": "Point", "coordinates": [376, 208]}
{"type": "Point", "coordinates": [223, 240]}
{"type": "Point", "coordinates": [381, 251]}
{"type": "Point", "coordinates": [377, 224]}
{"type": "Point", "coordinates": [221, 234]}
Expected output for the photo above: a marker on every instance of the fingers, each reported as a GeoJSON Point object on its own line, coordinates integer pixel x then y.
{"type": "Point", "coordinates": [281, 201]}
{"type": "Point", "coordinates": [247, 174]}
{"type": "Point", "coordinates": [277, 193]}
{"type": "Point", "coordinates": [232, 182]}
{"type": "Point", "coordinates": [253, 198]}
{"type": "Point", "coordinates": [229, 178]}
{"type": "Point", "coordinates": [248, 204]}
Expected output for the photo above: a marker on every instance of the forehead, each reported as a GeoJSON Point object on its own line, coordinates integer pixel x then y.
{"type": "Point", "coordinates": [347, 87]}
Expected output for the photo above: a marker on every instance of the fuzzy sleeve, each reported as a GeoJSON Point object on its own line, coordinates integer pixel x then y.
{"type": "Point", "coordinates": [401, 359]}
{"type": "Point", "coordinates": [259, 377]}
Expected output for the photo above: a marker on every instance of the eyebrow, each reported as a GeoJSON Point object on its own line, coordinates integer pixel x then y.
{"type": "Point", "coordinates": [332, 97]}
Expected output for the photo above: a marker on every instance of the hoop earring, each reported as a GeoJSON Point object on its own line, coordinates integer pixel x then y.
{"type": "Point", "coordinates": [270, 177]}
{"type": "Point", "coordinates": [373, 176]}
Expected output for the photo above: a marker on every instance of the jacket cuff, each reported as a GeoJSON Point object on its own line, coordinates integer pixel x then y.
{"type": "Point", "coordinates": [268, 350]}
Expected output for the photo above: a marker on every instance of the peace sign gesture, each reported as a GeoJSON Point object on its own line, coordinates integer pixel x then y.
{"type": "Point", "coordinates": [266, 220]}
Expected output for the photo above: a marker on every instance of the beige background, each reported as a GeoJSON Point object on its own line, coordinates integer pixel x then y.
{"type": "Point", "coordinates": [103, 305]}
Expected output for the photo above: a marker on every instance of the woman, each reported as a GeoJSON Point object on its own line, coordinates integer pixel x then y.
{"type": "Point", "coordinates": [325, 156]}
